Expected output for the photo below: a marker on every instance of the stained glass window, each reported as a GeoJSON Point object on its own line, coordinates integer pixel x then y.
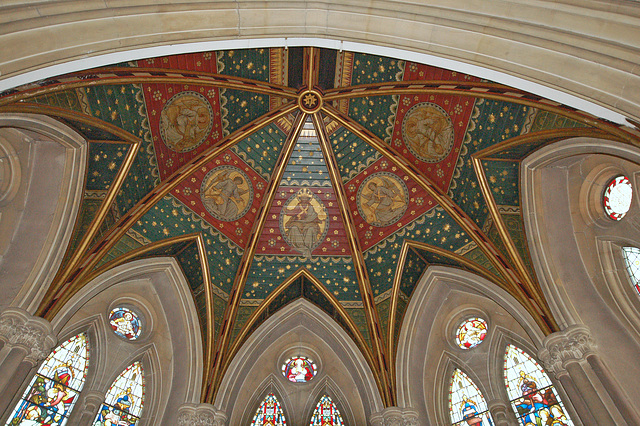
{"type": "Point", "coordinates": [617, 197]}
{"type": "Point", "coordinates": [471, 333]}
{"type": "Point", "coordinates": [533, 398]}
{"type": "Point", "coordinates": [632, 261]}
{"type": "Point", "coordinates": [269, 413]}
{"type": "Point", "coordinates": [326, 413]}
{"type": "Point", "coordinates": [125, 323]}
{"type": "Point", "coordinates": [467, 406]}
{"type": "Point", "coordinates": [299, 369]}
{"type": "Point", "coordinates": [124, 400]}
{"type": "Point", "coordinates": [52, 393]}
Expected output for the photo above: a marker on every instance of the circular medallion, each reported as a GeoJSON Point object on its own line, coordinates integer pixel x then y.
{"type": "Point", "coordinates": [185, 121]}
{"type": "Point", "coordinates": [427, 131]}
{"type": "Point", "coordinates": [125, 323]}
{"type": "Point", "coordinates": [471, 333]}
{"type": "Point", "coordinates": [617, 197]}
{"type": "Point", "coordinates": [299, 369]}
{"type": "Point", "coordinates": [226, 193]}
{"type": "Point", "coordinates": [304, 221]}
{"type": "Point", "coordinates": [382, 199]}
{"type": "Point", "coordinates": [310, 101]}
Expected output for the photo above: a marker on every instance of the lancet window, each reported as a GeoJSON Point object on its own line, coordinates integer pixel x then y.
{"type": "Point", "coordinates": [54, 390]}
{"type": "Point", "coordinates": [124, 400]}
{"type": "Point", "coordinates": [269, 413]}
{"type": "Point", "coordinates": [533, 397]}
{"type": "Point", "coordinates": [467, 406]}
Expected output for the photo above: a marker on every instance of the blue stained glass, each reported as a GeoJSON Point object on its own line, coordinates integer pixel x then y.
{"type": "Point", "coordinates": [53, 391]}
{"type": "Point", "coordinates": [269, 413]}
{"type": "Point", "coordinates": [467, 406]}
{"type": "Point", "coordinates": [125, 323]}
{"type": "Point", "coordinates": [326, 413]}
{"type": "Point", "coordinates": [533, 397]}
{"type": "Point", "coordinates": [124, 400]}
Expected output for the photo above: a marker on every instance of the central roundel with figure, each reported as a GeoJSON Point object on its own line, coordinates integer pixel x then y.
{"type": "Point", "coordinates": [186, 121]}
{"type": "Point", "coordinates": [226, 193]}
{"type": "Point", "coordinates": [299, 369]}
{"type": "Point", "coordinates": [125, 323]}
{"type": "Point", "coordinates": [304, 222]}
{"type": "Point", "coordinates": [427, 131]}
{"type": "Point", "coordinates": [382, 199]}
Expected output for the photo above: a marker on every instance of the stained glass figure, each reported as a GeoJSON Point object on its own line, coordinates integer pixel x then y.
{"type": "Point", "coordinates": [617, 197]}
{"type": "Point", "coordinates": [533, 398]}
{"type": "Point", "coordinates": [467, 406]}
{"type": "Point", "coordinates": [52, 393]}
{"type": "Point", "coordinates": [123, 403]}
{"type": "Point", "coordinates": [269, 413]}
{"type": "Point", "coordinates": [326, 413]}
{"type": "Point", "coordinates": [471, 333]}
{"type": "Point", "coordinates": [632, 261]}
{"type": "Point", "coordinates": [125, 323]}
{"type": "Point", "coordinates": [299, 369]}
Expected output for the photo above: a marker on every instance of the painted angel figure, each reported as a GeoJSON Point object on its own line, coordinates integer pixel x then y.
{"type": "Point", "coordinates": [223, 196]}
{"type": "Point", "coordinates": [380, 202]}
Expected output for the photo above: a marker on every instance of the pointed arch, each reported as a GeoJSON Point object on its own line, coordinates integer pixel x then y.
{"type": "Point", "coordinates": [125, 397]}
{"type": "Point", "coordinates": [466, 402]}
{"type": "Point", "coordinates": [531, 393]}
{"type": "Point", "coordinates": [55, 388]}
{"type": "Point", "coordinates": [326, 413]}
{"type": "Point", "coordinates": [269, 413]}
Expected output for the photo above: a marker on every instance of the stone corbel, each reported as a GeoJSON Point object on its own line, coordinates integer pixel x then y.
{"type": "Point", "coordinates": [19, 329]}
{"type": "Point", "coordinates": [395, 416]}
{"type": "Point", "coordinates": [200, 415]}
{"type": "Point", "coordinates": [573, 344]}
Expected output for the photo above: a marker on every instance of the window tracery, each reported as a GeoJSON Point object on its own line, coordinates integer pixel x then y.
{"type": "Point", "coordinates": [467, 405]}
{"type": "Point", "coordinates": [533, 397]}
{"type": "Point", "coordinates": [54, 390]}
{"type": "Point", "coordinates": [326, 413]}
{"type": "Point", "coordinates": [617, 197]}
{"type": "Point", "coordinates": [632, 262]}
{"type": "Point", "coordinates": [269, 413]}
{"type": "Point", "coordinates": [124, 400]}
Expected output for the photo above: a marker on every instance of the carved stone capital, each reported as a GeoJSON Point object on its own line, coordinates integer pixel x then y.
{"type": "Point", "coordinates": [572, 344]}
{"type": "Point", "coordinates": [395, 416]}
{"type": "Point", "coordinates": [498, 410]}
{"type": "Point", "coordinates": [19, 329]}
{"type": "Point", "coordinates": [200, 415]}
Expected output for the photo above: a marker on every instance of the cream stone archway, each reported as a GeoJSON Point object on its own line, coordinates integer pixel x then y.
{"type": "Point", "coordinates": [590, 50]}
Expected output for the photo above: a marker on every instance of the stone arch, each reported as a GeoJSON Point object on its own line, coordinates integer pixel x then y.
{"type": "Point", "coordinates": [327, 386]}
{"type": "Point", "coordinates": [171, 352]}
{"type": "Point", "coordinates": [258, 358]}
{"type": "Point", "coordinates": [573, 256]}
{"type": "Point", "coordinates": [41, 204]}
{"type": "Point", "coordinates": [530, 42]}
{"type": "Point", "coordinates": [269, 385]}
{"type": "Point", "coordinates": [426, 348]}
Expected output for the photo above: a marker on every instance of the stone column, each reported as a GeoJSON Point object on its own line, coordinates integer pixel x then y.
{"type": "Point", "coordinates": [200, 415]}
{"type": "Point", "coordinates": [27, 340]}
{"type": "Point", "coordinates": [395, 416]}
{"type": "Point", "coordinates": [86, 410]}
{"type": "Point", "coordinates": [499, 413]}
{"type": "Point", "coordinates": [570, 355]}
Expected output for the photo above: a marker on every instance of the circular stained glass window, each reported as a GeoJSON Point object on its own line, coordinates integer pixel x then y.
{"type": "Point", "coordinates": [471, 333]}
{"type": "Point", "coordinates": [617, 197]}
{"type": "Point", "coordinates": [125, 323]}
{"type": "Point", "coordinates": [299, 369]}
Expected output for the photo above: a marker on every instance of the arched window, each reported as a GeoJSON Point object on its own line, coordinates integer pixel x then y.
{"type": "Point", "coordinates": [467, 406]}
{"type": "Point", "coordinates": [54, 390]}
{"type": "Point", "coordinates": [632, 261]}
{"type": "Point", "coordinates": [269, 413]}
{"type": "Point", "coordinates": [326, 413]}
{"type": "Point", "coordinates": [533, 397]}
{"type": "Point", "coordinates": [124, 400]}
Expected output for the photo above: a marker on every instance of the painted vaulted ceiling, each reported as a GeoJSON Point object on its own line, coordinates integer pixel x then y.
{"type": "Point", "coordinates": [277, 174]}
